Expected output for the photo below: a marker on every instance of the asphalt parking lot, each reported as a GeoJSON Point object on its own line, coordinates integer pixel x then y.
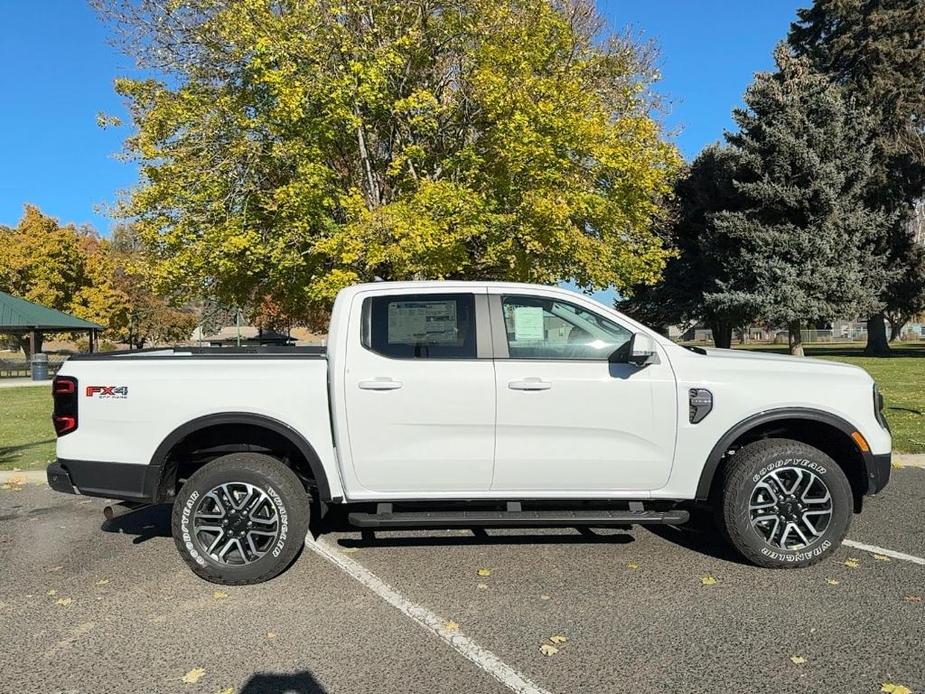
{"type": "Point", "coordinates": [94, 606]}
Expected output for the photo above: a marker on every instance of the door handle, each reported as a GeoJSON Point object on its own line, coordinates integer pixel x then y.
{"type": "Point", "coordinates": [380, 384]}
{"type": "Point", "coordinates": [532, 383]}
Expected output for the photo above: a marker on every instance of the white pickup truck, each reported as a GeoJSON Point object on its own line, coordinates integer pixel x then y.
{"type": "Point", "coordinates": [458, 404]}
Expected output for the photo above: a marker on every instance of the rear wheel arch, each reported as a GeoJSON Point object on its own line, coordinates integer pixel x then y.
{"type": "Point", "coordinates": [245, 431]}
{"type": "Point", "coordinates": [823, 430]}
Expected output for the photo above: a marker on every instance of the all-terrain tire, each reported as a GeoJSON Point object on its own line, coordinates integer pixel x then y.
{"type": "Point", "coordinates": [258, 507]}
{"type": "Point", "coordinates": [755, 487]}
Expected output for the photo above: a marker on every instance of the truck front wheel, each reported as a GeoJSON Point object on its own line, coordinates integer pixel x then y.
{"type": "Point", "coordinates": [785, 504]}
{"type": "Point", "coordinates": [241, 518]}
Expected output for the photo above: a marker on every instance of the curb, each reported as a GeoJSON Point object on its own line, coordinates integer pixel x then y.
{"type": "Point", "coordinates": [909, 459]}
{"type": "Point", "coordinates": [23, 476]}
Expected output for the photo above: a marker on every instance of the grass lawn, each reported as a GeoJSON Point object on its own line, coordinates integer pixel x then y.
{"type": "Point", "coordinates": [27, 439]}
{"type": "Point", "coordinates": [901, 378]}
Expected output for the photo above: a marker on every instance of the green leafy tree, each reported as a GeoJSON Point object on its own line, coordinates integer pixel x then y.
{"type": "Point", "coordinates": [802, 228]}
{"type": "Point", "coordinates": [875, 49]}
{"type": "Point", "coordinates": [45, 262]}
{"type": "Point", "coordinates": [144, 317]}
{"type": "Point", "coordinates": [697, 269]}
{"type": "Point", "coordinates": [294, 148]}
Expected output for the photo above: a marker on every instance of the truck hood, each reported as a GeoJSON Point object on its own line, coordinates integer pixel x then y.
{"type": "Point", "coordinates": [772, 361]}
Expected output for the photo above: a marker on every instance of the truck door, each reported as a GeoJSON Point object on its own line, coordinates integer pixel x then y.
{"type": "Point", "coordinates": [420, 392]}
{"type": "Point", "coordinates": [568, 418]}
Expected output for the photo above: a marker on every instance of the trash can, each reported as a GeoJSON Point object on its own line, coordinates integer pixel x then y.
{"type": "Point", "coordinates": [40, 366]}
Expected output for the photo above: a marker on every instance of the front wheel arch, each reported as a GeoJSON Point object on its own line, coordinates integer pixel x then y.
{"type": "Point", "coordinates": [823, 430]}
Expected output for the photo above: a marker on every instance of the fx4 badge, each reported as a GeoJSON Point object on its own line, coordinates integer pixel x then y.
{"type": "Point", "coordinates": [107, 392]}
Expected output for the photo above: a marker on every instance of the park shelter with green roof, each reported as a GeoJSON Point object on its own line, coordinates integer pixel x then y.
{"type": "Point", "coordinates": [20, 318]}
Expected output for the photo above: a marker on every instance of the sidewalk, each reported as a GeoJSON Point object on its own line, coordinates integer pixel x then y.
{"type": "Point", "coordinates": [24, 381]}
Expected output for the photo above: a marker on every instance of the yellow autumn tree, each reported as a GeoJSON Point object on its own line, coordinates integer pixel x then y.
{"type": "Point", "coordinates": [294, 148]}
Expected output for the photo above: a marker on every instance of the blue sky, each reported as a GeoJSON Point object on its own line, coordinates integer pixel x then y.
{"type": "Point", "coordinates": [57, 72]}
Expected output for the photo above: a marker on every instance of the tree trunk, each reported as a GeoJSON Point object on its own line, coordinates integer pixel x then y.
{"type": "Point", "coordinates": [896, 328]}
{"type": "Point", "coordinates": [722, 334]}
{"type": "Point", "coordinates": [796, 338]}
{"type": "Point", "coordinates": [25, 344]}
{"type": "Point", "coordinates": [877, 345]}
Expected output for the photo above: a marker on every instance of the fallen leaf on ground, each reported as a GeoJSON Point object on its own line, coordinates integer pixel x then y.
{"type": "Point", "coordinates": [913, 598]}
{"type": "Point", "coordinates": [851, 563]}
{"type": "Point", "coordinates": [484, 572]}
{"type": "Point", "coordinates": [880, 557]}
{"type": "Point", "coordinates": [102, 582]}
{"type": "Point", "coordinates": [544, 597]}
{"type": "Point", "coordinates": [547, 649]}
{"type": "Point", "coordinates": [797, 659]}
{"type": "Point", "coordinates": [708, 580]}
{"type": "Point", "coordinates": [482, 586]}
{"type": "Point", "coordinates": [52, 591]}
{"type": "Point", "coordinates": [558, 638]}
{"type": "Point", "coordinates": [194, 675]}
{"type": "Point", "coordinates": [632, 565]}
{"type": "Point", "coordinates": [219, 595]}
{"type": "Point", "coordinates": [226, 690]}
{"type": "Point", "coordinates": [832, 581]}
{"type": "Point", "coordinates": [451, 626]}
{"type": "Point", "coordinates": [897, 466]}
{"type": "Point", "coordinates": [891, 688]}
{"type": "Point", "coordinates": [271, 634]}
{"type": "Point", "coordinates": [64, 601]}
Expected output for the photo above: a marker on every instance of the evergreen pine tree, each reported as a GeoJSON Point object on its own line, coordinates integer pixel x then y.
{"type": "Point", "coordinates": [875, 49]}
{"type": "Point", "coordinates": [706, 188]}
{"type": "Point", "coordinates": [802, 225]}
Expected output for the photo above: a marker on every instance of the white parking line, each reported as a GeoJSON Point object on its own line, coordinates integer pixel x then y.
{"type": "Point", "coordinates": [884, 552]}
{"type": "Point", "coordinates": [484, 659]}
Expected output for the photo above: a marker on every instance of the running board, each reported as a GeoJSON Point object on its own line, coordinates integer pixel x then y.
{"type": "Point", "coordinates": [499, 519]}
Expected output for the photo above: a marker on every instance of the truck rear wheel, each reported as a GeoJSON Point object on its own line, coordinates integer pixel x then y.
{"type": "Point", "coordinates": [785, 504]}
{"type": "Point", "coordinates": [241, 518]}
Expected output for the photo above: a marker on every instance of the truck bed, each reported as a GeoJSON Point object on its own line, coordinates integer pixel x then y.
{"type": "Point", "coordinates": [307, 352]}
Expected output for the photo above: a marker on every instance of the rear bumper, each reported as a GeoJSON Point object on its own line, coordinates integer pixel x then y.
{"type": "Point", "coordinates": [124, 481]}
{"type": "Point", "coordinates": [878, 471]}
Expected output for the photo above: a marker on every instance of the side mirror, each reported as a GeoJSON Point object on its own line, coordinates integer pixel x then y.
{"type": "Point", "coordinates": [642, 350]}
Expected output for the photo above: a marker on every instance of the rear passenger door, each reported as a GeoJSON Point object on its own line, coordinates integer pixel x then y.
{"type": "Point", "coordinates": [420, 393]}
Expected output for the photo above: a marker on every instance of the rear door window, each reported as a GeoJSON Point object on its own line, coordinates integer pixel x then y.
{"type": "Point", "coordinates": [420, 326]}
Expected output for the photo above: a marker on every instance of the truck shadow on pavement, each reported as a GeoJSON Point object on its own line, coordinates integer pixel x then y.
{"type": "Point", "coordinates": [303, 682]}
{"type": "Point", "coordinates": [145, 523]}
{"type": "Point", "coordinates": [697, 536]}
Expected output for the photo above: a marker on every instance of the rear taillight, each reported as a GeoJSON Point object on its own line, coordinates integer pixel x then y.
{"type": "Point", "coordinates": [64, 391]}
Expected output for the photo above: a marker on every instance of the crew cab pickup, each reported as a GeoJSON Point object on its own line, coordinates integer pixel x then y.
{"type": "Point", "coordinates": [465, 404]}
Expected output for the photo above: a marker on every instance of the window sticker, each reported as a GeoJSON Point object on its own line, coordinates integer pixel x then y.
{"type": "Point", "coordinates": [528, 324]}
{"type": "Point", "coordinates": [412, 322]}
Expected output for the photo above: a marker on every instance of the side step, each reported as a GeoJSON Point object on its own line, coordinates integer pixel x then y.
{"type": "Point", "coordinates": [500, 519]}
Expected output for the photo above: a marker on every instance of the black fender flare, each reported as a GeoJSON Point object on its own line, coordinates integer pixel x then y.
{"type": "Point", "coordinates": [159, 459]}
{"type": "Point", "coordinates": [760, 419]}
